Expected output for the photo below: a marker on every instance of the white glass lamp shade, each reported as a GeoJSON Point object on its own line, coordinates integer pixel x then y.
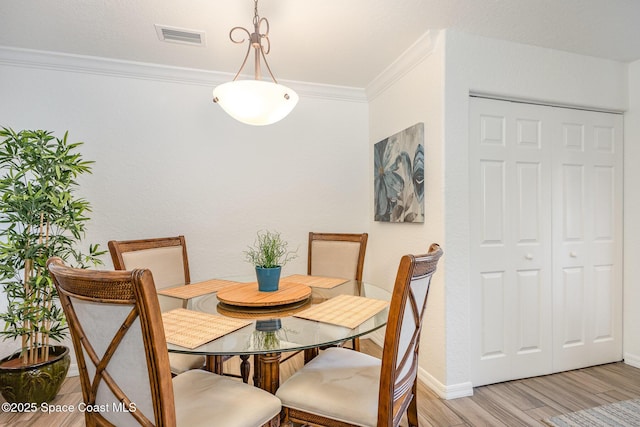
{"type": "Point", "coordinates": [255, 102]}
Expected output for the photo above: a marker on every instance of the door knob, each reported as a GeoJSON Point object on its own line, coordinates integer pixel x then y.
{"type": "Point", "coordinates": [573, 254]}
{"type": "Point", "coordinates": [529, 256]}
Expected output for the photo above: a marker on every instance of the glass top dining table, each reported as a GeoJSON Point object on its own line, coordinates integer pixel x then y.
{"type": "Point", "coordinates": [274, 330]}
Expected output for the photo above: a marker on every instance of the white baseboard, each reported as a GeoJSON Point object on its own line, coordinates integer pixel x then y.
{"type": "Point", "coordinates": [73, 370]}
{"type": "Point", "coordinates": [442, 391]}
{"type": "Point", "coordinates": [632, 360]}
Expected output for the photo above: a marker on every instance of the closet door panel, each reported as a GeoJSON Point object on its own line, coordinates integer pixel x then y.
{"type": "Point", "coordinates": [511, 245]}
{"type": "Point", "coordinates": [493, 339]}
{"type": "Point", "coordinates": [569, 324]}
{"type": "Point", "coordinates": [606, 326]}
{"type": "Point", "coordinates": [604, 312]}
{"type": "Point", "coordinates": [529, 310]}
{"type": "Point", "coordinates": [587, 218]}
{"type": "Point", "coordinates": [545, 239]}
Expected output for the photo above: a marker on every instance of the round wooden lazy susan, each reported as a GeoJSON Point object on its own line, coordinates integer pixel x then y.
{"type": "Point", "coordinates": [267, 312]}
{"type": "Point", "coordinates": [248, 295]}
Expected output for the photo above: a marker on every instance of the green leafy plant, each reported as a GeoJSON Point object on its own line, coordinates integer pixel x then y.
{"type": "Point", "coordinates": [40, 217]}
{"type": "Point", "coordinates": [267, 335]}
{"type": "Point", "coordinates": [269, 250]}
{"type": "Point", "coordinates": [265, 340]}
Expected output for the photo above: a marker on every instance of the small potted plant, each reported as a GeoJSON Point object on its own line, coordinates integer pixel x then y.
{"type": "Point", "coordinates": [269, 254]}
{"type": "Point", "coordinates": [40, 217]}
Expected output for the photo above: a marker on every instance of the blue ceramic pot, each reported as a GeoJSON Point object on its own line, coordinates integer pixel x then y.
{"type": "Point", "coordinates": [269, 325]}
{"type": "Point", "coordinates": [268, 278]}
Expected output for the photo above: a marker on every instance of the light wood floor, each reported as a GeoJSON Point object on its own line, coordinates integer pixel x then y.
{"type": "Point", "coordinates": [515, 403]}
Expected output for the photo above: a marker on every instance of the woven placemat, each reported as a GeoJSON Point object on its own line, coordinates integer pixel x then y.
{"type": "Point", "coordinates": [191, 329]}
{"type": "Point", "coordinates": [196, 289]}
{"type": "Point", "coordinates": [315, 281]}
{"type": "Point", "coordinates": [344, 310]}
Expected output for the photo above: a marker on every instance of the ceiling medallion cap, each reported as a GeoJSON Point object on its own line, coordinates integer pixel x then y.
{"type": "Point", "coordinates": [255, 102]}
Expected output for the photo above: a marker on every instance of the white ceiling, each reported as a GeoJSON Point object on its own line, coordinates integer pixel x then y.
{"type": "Point", "coordinates": [339, 42]}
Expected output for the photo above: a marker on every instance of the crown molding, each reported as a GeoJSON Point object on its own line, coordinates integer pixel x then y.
{"type": "Point", "coordinates": [409, 59]}
{"type": "Point", "coordinates": [56, 61]}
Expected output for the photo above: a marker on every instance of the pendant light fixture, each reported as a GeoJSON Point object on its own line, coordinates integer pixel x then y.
{"type": "Point", "coordinates": [255, 102]}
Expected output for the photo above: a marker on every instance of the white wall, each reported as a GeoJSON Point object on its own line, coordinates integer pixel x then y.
{"type": "Point", "coordinates": [477, 64]}
{"type": "Point", "coordinates": [436, 90]}
{"type": "Point", "coordinates": [631, 227]}
{"type": "Point", "coordinates": [413, 97]}
{"type": "Point", "coordinates": [169, 161]}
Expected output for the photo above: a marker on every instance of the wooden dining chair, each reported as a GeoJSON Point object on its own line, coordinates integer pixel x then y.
{"type": "Point", "coordinates": [341, 387]}
{"type": "Point", "coordinates": [116, 327]}
{"type": "Point", "coordinates": [337, 255]}
{"type": "Point", "coordinates": [167, 259]}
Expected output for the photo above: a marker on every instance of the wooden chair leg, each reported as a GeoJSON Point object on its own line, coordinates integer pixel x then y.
{"type": "Point", "coordinates": [310, 353]}
{"type": "Point", "coordinates": [284, 418]}
{"type": "Point", "coordinates": [214, 364]}
{"type": "Point", "coordinates": [412, 410]}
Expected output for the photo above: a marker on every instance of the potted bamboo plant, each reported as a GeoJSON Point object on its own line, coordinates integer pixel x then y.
{"type": "Point", "coordinates": [40, 217]}
{"type": "Point", "coordinates": [269, 254]}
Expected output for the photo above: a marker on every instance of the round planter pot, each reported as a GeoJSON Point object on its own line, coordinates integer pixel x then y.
{"type": "Point", "coordinates": [34, 383]}
{"type": "Point", "coordinates": [268, 278]}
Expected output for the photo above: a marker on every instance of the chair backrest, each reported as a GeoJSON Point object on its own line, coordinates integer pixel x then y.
{"type": "Point", "coordinates": [337, 254]}
{"type": "Point", "coordinates": [402, 337]}
{"type": "Point", "coordinates": [117, 332]}
{"type": "Point", "coordinates": [166, 257]}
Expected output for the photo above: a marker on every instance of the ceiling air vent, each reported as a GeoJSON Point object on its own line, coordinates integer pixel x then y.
{"type": "Point", "coordinates": [180, 35]}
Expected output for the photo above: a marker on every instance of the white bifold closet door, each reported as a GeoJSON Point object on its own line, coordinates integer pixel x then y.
{"type": "Point", "coordinates": [546, 239]}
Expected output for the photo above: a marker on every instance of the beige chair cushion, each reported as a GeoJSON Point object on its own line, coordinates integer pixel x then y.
{"type": "Point", "coordinates": [206, 399]}
{"type": "Point", "coordinates": [183, 362]}
{"type": "Point", "coordinates": [334, 258]}
{"type": "Point", "coordinates": [339, 383]}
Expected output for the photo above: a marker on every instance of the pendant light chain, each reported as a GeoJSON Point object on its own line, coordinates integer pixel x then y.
{"type": "Point", "coordinates": [255, 12]}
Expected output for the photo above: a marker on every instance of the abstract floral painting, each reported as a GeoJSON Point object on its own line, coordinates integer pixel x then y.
{"type": "Point", "coordinates": [399, 176]}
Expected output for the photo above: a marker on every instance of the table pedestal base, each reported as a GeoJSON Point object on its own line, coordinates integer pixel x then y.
{"type": "Point", "coordinates": [266, 371]}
